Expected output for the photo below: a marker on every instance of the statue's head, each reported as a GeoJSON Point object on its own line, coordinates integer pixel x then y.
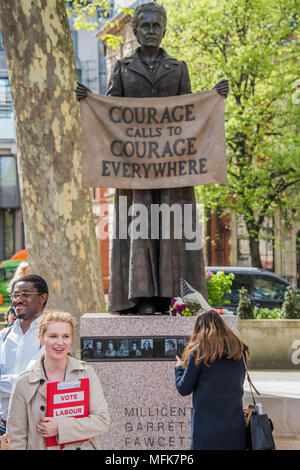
{"type": "Point", "coordinates": [147, 12]}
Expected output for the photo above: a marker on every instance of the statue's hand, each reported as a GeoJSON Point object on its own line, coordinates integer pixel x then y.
{"type": "Point", "coordinates": [81, 91]}
{"type": "Point", "coordinates": [222, 88]}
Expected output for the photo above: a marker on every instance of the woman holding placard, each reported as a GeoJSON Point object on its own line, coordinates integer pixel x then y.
{"type": "Point", "coordinates": [28, 426]}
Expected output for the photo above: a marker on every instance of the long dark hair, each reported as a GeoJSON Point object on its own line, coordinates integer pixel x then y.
{"type": "Point", "coordinates": [210, 338]}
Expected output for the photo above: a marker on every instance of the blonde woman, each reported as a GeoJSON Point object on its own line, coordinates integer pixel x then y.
{"type": "Point", "coordinates": [22, 270]}
{"type": "Point", "coordinates": [27, 425]}
{"type": "Point", "coordinates": [212, 370]}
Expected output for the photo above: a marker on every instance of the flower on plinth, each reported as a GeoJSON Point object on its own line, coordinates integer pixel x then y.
{"type": "Point", "coordinates": [219, 310]}
{"type": "Point", "coordinates": [178, 307]}
{"type": "Point", "coordinates": [208, 274]}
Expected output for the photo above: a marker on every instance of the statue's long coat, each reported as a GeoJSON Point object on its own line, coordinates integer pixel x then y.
{"type": "Point", "coordinates": [151, 268]}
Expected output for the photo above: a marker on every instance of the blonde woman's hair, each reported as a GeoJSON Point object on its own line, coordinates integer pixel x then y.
{"type": "Point", "coordinates": [210, 338]}
{"type": "Point", "coordinates": [20, 272]}
{"type": "Point", "coordinates": [52, 316]}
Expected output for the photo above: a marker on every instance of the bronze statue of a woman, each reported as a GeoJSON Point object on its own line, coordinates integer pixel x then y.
{"type": "Point", "coordinates": [145, 273]}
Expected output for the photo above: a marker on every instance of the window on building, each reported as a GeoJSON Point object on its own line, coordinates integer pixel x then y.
{"type": "Point", "coordinates": [8, 171]}
{"type": "Point", "coordinates": [6, 111]}
{"type": "Point", "coordinates": [9, 192]}
{"type": "Point", "coordinates": [90, 75]}
{"type": "Point", "coordinates": [8, 234]}
{"type": "Point", "coordinates": [243, 247]}
{"type": "Point", "coordinates": [266, 245]}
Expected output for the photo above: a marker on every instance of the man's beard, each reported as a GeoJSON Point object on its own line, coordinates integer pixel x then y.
{"type": "Point", "coordinates": [21, 316]}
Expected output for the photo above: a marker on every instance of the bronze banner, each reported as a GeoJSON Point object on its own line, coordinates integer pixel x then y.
{"type": "Point", "coordinates": [147, 143]}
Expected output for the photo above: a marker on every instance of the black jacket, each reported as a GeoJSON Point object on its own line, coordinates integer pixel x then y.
{"type": "Point", "coordinates": [217, 418]}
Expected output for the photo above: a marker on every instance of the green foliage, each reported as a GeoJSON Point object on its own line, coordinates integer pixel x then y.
{"type": "Point", "coordinates": [245, 309]}
{"type": "Point", "coordinates": [85, 16]}
{"type": "Point", "coordinates": [112, 40]}
{"type": "Point", "coordinates": [85, 13]}
{"type": "Point", "coordinates": [289, 310]}
{"type": "Point", "coordinates": [267, 313]}
{"type": "Point", "coordinates": [190, 310]}
{"type": "Point", "coordinates": [291, 304]}
{"type": "Point", "coordinates": [218, 284]}
{"type": "Point", "coordinates": [255, 45]}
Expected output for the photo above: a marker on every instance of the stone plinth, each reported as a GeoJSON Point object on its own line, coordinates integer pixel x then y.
{"type": "Point", "coordinates": [145, 408]}
{"type": "Point", "coordinates": [273, 344]}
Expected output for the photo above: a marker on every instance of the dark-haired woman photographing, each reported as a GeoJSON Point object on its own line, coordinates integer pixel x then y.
{"type": "Point", "coordinates": [212, 369]}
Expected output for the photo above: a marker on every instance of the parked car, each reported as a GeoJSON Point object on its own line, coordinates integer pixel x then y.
{"type": "Point", "coordinates": [265, 289]}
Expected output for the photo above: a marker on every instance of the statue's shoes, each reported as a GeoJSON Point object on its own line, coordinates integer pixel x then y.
{"type": "Point", "coordinates": [146, 307]}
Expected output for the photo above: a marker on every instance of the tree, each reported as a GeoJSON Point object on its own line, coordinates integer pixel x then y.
{"type": "Point", "coordinates": [59, 226]}
{"type": "Point", "coordinates": [255, 45]}
{"type": "Point", "coordinates": [245, 310]}
{"type": "Point", "coordinates": [291, 305]}
{"type": "Point", "coordinates": [86, 14]}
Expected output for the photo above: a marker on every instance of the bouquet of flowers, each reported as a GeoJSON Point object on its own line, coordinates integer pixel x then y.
{"type": "Point", "coordinates": [190, 302]}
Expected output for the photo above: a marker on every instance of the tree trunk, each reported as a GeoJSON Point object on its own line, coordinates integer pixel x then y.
{"type": "Point", "coordinates": [59, 226]}
{"type": "Point", "coordinates": [254, 251]}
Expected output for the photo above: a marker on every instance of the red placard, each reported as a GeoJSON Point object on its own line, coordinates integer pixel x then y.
{"type": "Point", "coordinates": [69, 399]}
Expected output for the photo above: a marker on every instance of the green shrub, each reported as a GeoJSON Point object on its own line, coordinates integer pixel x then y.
{"type": "Point", "coordinates": [291, 305]}
{"type": "Point", "coordinates": [267, 313]}
{"type": "Point", "coordinates": [218, 284]}
{"type": "Point", "coordinates": [245, 310]}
